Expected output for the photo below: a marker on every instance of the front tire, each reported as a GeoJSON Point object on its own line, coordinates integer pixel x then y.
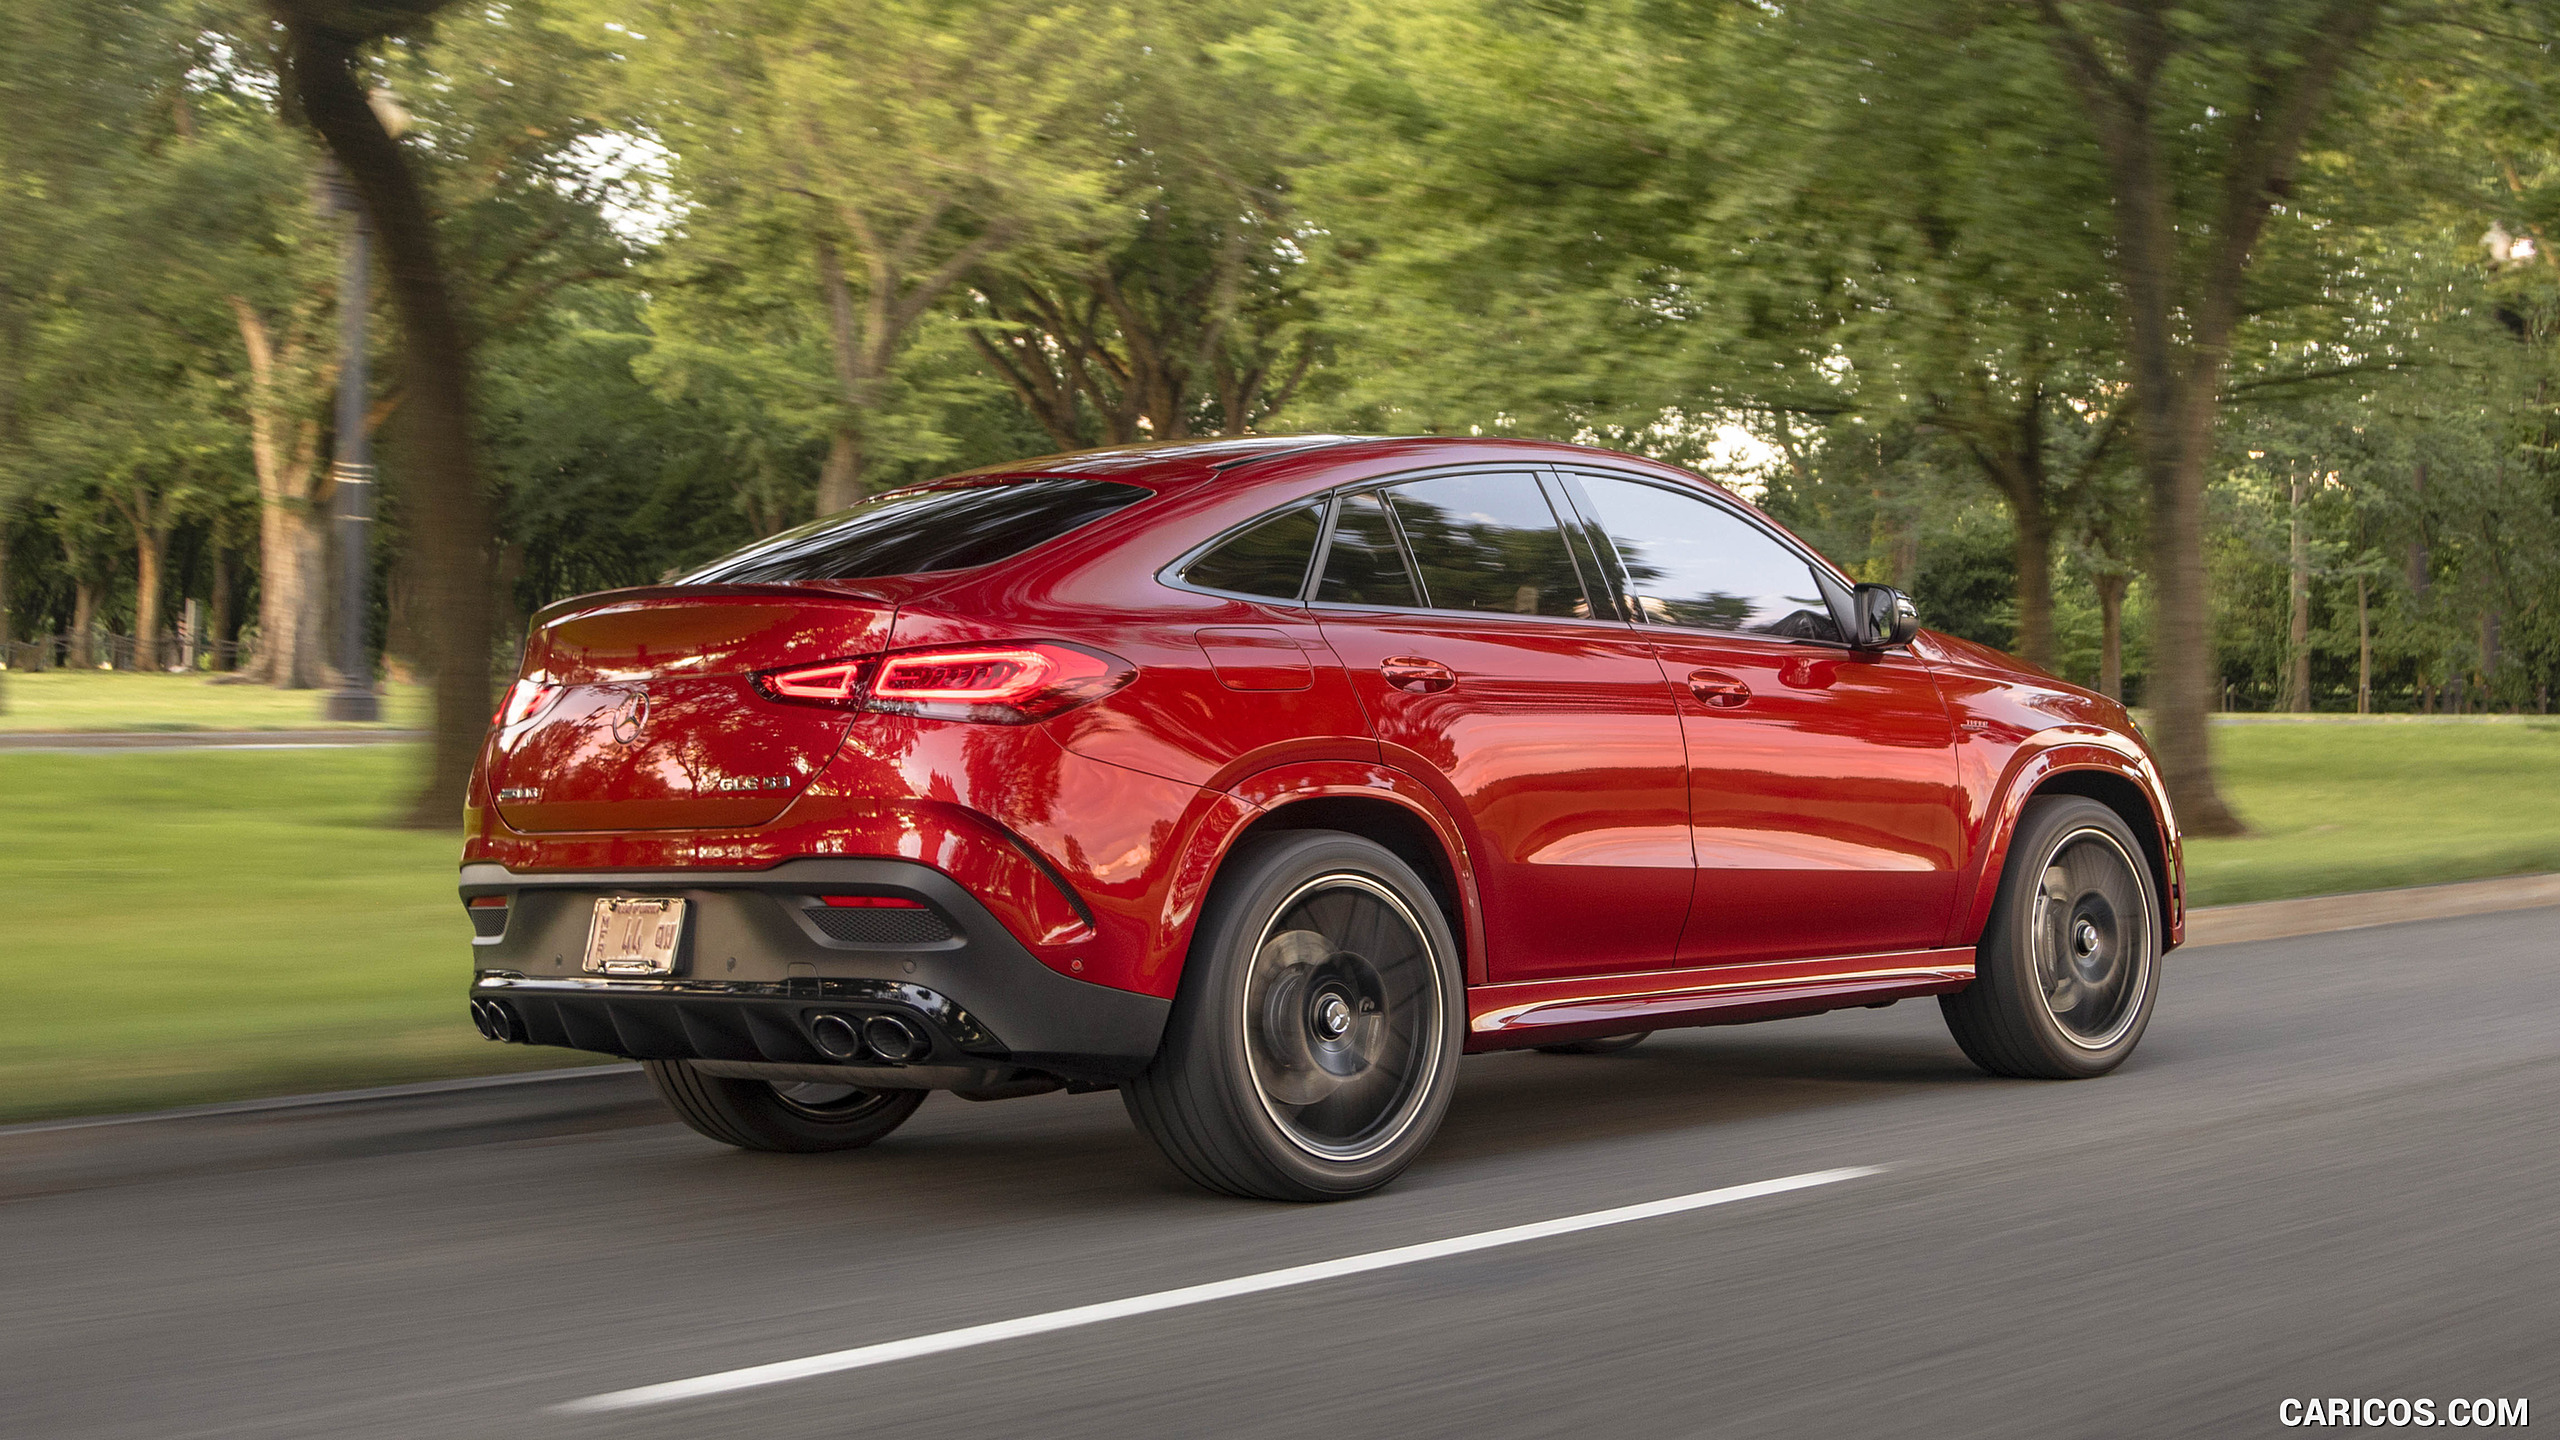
{"type": "Point", "coordinates": [2069, 965]}
{"type": "Point", "coordinates": [794, 1119]}
{"type": "Point", "coordinates": [1313, 1046]}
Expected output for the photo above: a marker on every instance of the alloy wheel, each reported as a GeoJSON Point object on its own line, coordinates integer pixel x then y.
{"type": "Point", "coordinates": [1343, 1012]}
{"type": "Point", "coordinates": [2092, 932]}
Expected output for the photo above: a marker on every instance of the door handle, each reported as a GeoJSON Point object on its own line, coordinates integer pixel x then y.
{"type": "Point", "coordinates": [1412, 672]}
{"type": "Point", "coordinates": [1718, 690]}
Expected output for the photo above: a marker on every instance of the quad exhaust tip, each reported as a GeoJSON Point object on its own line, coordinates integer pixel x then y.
{"type": "Point", "coordinates": [494, 1021]}
{"type": "Point", "coordinates": [895, 1038]}
{"type": "Point", "coordinates": [836, 1037]}
{"type": "Point", "coordinates": [882, 1037]}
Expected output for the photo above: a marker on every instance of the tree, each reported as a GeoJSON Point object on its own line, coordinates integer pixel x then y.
{"type": "Point", "coordinates": [1192, 318]}
{"type": "Point", "coordinates": [904, 143]}
{"type": "Point", "coordinates": [2201, 111]}
{"type": "Point", "coordinates": [449, 514]}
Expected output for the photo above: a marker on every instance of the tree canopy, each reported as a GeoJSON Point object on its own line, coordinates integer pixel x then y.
{"type": "Point", "coordinates": [2200, 351]}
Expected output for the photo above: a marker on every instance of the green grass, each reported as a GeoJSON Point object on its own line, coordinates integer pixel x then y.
{"type": "Point", "coordinates": [198, 926]}
{"type": "Point", "coordinates": [2338, 804]}
{"type": "Point", "coordinates": [126, 700]}
{"type": "Point", "coordinates": [201, 926]}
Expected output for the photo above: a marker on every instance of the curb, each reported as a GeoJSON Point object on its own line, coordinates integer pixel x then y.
{"type": "Point", "coordinates": [415, 1090]}
{"type": "Point", "coordinates": [2280, 919]}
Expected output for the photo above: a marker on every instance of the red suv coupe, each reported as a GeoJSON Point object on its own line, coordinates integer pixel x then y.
{"type": "Point", "coordinates": [1261, 778]}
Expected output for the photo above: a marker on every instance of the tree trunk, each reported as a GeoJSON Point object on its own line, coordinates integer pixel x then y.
{"type": "Point", "coordinates": [2182, 685]}
{"type": "Point", "coordinates": [289, 538]}
{"type": "Point", "coordinates": [218, 628]}
{"type": "Point", "coordinates": [2111, 586]}
{"type": "Point", "coordinates": [2034, 530]}
{"type": "Point", "coordinates": [2297, 680]}
{"type": "Point", "coordinates": [5, 632]}
{"type": "Point", "coordinates": [2488, 659]}
{"type": "Point", "coordinates": [840, 480]}
{"type": "Point", "coordinates": [449, 520]}
{"type": "Point", "coordinates": [150, 542]}
{"type": "Point", "coordinates": [84, 615]}
{"type": "Point", "coordinates": [2364, 648]}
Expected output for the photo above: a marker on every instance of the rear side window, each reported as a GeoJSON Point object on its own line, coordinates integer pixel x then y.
{"type": "Point", "coordinates": [1488, 542]}
{"type": "Point", "coordinates": [917, 531]}
{"type": "Point", "coordinates": [1364, 566]}
{"type": "Point", "coordinates": [1685, 560]}
{"type": "Point", "coordinates": [1269, 559]}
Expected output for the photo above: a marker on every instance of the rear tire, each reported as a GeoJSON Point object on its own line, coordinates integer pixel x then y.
{"type": "Point", "coordinates": [1605, 1045]}
{"type": "Point", "coordinates": [794, 1119]}
{"type": "Point", "coordinates": [1313, 1046]}
{"type": "Point", "coordinates": [2069, 965]}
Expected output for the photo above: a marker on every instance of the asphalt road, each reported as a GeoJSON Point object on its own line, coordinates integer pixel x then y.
{"type": "Point", "coordinates": [2331, 1170]}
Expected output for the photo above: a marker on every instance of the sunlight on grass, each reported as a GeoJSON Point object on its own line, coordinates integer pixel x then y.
{"type": "Point", "coordinates": [2341, 805]}
{"type": "Point", "coordinates": [208, 925]}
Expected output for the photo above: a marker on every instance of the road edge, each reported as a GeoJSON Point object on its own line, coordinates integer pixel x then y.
{"type": "Point", "coordinates": [2363, 909]}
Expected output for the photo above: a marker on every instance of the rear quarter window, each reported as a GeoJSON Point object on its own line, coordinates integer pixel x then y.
{"type": "Point", "coordinates": [915, 532]}
{"type": "Point", "coordinates": [1268, 559]}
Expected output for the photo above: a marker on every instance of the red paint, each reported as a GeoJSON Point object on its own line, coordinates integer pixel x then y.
{"type": "Point", "coordinates": [1634, 825]}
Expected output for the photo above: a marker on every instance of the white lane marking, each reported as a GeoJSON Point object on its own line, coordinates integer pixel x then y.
{"type": "Point", "coordinates": [866, 1355]}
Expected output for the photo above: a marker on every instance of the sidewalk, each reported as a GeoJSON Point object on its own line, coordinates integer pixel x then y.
{"type": "Point", "coordinates": [2275, 919]}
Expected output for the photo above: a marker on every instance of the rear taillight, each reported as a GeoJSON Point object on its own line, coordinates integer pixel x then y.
{"type": "Point", "coordinates": [525, 699]}
{"type": "Point", "coordinates": [996, 684]}
{"type": "Point", "coordinates": [838, 682]}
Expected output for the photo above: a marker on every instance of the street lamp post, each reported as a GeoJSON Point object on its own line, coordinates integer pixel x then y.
{"type": "Point", "coordinates": [351, 469]}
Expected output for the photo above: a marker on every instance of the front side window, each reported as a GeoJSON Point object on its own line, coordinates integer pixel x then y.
{"type": "Point", "coordinates": [914, 532]}
{"type": "Point", "coordinates": [1364, 565]}
{"type": "Point", "coordinates": [1488, 542]}
{"type": "Point", "coordinates": [1685, 560]}
{"type": "Point", "coordinates": [1268, 559]}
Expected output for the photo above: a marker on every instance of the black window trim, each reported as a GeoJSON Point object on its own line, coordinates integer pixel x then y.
{"type": "Point", "coordinates": [1550, 476]}
{"type": "Point", "coordinates": [1820, 569]}
{"type": "Point", "coordinates": [1171, 577]}
{"type": "Point", "coordinates": [1539, 473]}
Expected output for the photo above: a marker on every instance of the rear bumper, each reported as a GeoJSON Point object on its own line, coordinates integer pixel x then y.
{"type": "Point", "coordinates": [762, 962]}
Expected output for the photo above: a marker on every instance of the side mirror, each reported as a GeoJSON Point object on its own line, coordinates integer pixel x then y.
{"type": "Point", "coordinates": [1885, 617]}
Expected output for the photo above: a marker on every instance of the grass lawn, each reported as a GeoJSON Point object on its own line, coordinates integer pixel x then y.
{"type": "Point", "coordinates": [2345, 804]}
{"type": "Point", "coordinates": [210, 925]}
{"type": "Point", "coordinates": [127, 700]}
{"type": "Point", "coordinates": [199, 926]}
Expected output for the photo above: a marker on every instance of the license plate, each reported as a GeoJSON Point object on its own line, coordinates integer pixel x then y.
{"type": "Point", "coordinates": [634, 937]}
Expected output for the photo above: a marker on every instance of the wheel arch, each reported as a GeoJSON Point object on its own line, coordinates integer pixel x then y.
{"type": "Point", "coordinates": [2119, 793]}
{"type": "Point", "coordinates": [1380, 805]}
{"type": "Point", "coordinates": [2122, 782]}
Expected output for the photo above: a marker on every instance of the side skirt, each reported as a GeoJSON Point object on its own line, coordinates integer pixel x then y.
{"type": "Point", "coordinates": [1546, 1012]}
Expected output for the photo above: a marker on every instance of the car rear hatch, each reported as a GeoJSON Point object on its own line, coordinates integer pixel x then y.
{"type": "Point", "coordinates": [638, 709]}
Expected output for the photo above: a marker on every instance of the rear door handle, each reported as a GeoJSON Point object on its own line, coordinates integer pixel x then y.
{"type": "Point", "coordinates": [1412, 672]}
{"type": "Point", "coordinates": [1718, 690]}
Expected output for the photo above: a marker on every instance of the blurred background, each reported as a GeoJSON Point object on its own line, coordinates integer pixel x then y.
{"type": "Point", "coordinates": [2208, 362]}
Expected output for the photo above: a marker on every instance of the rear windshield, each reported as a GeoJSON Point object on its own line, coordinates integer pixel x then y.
{"type": "Point", "coordinates": [915, 531]}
